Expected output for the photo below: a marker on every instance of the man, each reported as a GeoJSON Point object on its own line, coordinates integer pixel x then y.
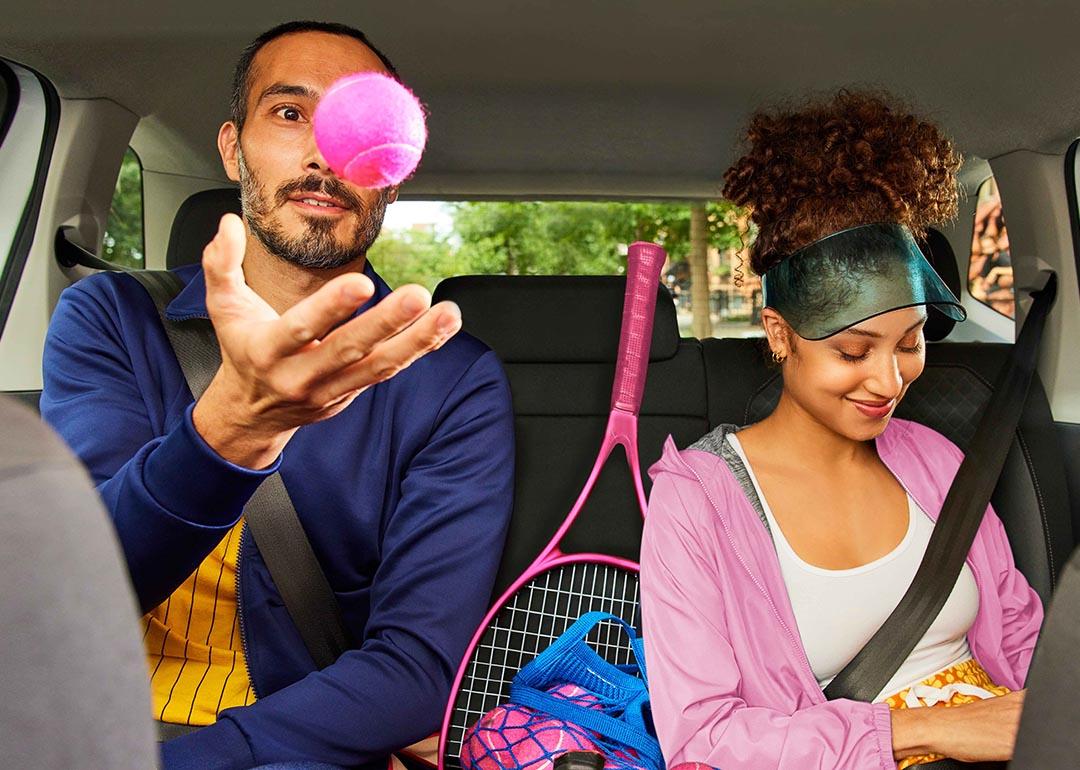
{"type": "Point", "coordinates": [392, 435]}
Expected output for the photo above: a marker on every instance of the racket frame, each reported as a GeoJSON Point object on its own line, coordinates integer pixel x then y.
{"type": "Point", "coordinates": [621, 430]}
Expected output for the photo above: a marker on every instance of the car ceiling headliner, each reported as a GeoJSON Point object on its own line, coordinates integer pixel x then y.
{"type": "Point", "coordinates": [611, 97]}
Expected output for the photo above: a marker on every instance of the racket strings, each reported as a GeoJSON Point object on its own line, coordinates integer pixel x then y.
{"type": "Point", "coordinates": [533, 618]}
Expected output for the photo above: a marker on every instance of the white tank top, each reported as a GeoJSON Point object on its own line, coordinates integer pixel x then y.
{"type": "Point", "coordinates": [837, 611]}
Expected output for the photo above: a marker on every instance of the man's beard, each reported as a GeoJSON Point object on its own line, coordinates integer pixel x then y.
{"type": "Point", "coordinates": [317, 248]}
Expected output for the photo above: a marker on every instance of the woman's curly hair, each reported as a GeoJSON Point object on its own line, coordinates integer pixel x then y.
{"type": "Point", "coordinates": [855, 159]}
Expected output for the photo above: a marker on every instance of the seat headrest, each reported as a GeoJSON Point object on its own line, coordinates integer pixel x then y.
{"type": "Point", "coordinates": [196, 222]}
{"type": "Point", "coordinates": [939, 254]}
{"type": "Point", "coordinates": [554, 319]}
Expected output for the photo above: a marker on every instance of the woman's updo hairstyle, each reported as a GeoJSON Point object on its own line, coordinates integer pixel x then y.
{"type": "Point", "coordinates": [856, 159]}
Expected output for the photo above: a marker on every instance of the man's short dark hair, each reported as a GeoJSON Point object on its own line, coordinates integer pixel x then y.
{"type": "Point", "coordinates": [242, 74]}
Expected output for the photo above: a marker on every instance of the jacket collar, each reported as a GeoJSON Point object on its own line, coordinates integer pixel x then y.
{"type": "Point", "coordinates": [896, 447]}
{"type": "Point", "coordinates": [191, 301]}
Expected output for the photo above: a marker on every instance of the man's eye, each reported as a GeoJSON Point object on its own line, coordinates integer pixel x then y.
{"type": "Point", "coordinates": [288, 113]}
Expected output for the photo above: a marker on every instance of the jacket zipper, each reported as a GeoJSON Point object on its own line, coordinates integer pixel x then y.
{"type": "Point", "coordinates": [796, 645]}
{"type": "Point", "coordinates": [239, 559]}
{"type": "Point", "coordinates": [240, 609]}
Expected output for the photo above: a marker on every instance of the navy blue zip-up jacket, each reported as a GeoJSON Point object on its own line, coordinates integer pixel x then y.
{"type": "Point", "coordinates": [405, 496]}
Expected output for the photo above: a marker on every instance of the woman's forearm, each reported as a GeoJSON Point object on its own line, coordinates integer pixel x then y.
{"type": "Point", "coordinates": [913, 732]}
{"type": "Point", "coordinates": [973, 732]}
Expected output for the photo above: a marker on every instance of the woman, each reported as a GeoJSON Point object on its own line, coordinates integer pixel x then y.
{"type": "Point", "coordinates": [773, 552]}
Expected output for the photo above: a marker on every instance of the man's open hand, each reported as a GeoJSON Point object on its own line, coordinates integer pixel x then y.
{"type": "Point", "coordinates": [279, 372]}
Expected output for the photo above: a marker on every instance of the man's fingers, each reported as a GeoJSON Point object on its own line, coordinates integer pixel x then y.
{"type": "Point", "coordinates": [228, 297]}
{"type": "Point", "coordinates": [223, 257]}
{"type": "Point", "coordinates": [313, 317]}
{"type": "Point", "coordinates": [391, 356]}
{"type": "Point", "coordinates": [355, 340]}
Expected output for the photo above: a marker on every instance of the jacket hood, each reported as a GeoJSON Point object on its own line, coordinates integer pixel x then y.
{"type": "Point", "coordinates": [672, 460]}
{"type": "Point", "coordinates": [701, 456]}
{"type": "Point", "coordinates": [898, 434]}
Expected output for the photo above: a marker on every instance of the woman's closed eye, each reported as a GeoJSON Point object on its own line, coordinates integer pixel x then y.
{"type": "Point", "coordinates": [852, 355]}
{"type": "Point", "coordinates": [912, 344]}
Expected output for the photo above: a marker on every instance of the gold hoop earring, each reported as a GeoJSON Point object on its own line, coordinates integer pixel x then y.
{"type": "Point", "coordinates": [778, 358]}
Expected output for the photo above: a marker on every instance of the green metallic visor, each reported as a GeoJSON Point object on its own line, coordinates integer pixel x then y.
{"type": "Point", "coordinates": [852, 275]}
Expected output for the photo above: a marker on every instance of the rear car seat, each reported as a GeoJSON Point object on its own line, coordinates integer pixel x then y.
{"type": "Point", "coordinates": [557, 338]}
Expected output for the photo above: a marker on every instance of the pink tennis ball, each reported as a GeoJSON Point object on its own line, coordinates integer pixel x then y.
{"type": "Point", "coordinates": [512, 737]}
{"type": "Point", "coordinates": [370, 129]}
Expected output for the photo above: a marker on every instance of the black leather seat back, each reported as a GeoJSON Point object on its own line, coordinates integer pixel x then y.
{"type": "Point", "coordinates": [557, 338]}
{"type": "Point", "coordinates": [1030, 498]}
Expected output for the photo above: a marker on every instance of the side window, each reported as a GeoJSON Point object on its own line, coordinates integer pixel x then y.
{"type": "Point", "coordinates": [716, 293]}
{"type": "Point", "coordinates": [29, 112]}
{"type": "Point", "coordinates": [122, 243]}
{"type": "Point", "coordinates": [3, 109]}
{"type": "Point", "coordinates": [990, 273]}
{"type": "Point", "coordinates": [426, 241]}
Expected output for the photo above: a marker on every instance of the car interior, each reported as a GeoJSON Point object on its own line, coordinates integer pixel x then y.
{"type": "Point", "coordinates": [591, 101]}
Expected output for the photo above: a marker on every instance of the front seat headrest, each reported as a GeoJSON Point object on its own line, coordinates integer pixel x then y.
{"type": "Point", "coordinates": [196, 223]}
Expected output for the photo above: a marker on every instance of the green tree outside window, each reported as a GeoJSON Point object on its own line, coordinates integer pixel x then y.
{"type": "Point", "coordinates": [123, 242]}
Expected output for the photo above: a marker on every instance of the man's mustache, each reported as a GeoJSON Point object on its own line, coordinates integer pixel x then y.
{"type": "Point", "coordinates": [322, 185]}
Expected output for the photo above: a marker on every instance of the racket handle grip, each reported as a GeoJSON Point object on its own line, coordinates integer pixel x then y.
{"type": "Point", "coordinates": [644, 262]}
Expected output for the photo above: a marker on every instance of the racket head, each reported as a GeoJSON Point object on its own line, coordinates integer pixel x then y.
{"type": "Point", "coordinates": [532, 614]}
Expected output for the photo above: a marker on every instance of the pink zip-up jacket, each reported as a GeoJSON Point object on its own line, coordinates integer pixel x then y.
{"type": "Point", "coordinates": [729, 678]}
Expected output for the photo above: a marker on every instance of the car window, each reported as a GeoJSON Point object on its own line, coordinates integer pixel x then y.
{"type": "Point", "coordinates": [27, 130]}
{"type": "Point", "coordinates": [990, 273]}
{"type": "Point", "coordinates": [425, 241]}
{"type": "Point", "coordinates": [1072, 185]}
{"type": "Point", "coordinates": [123, 242]}
{"type": "Point", "coordinates": [5, 123]}
{"type": "Point", "coordinates": [3, 108]}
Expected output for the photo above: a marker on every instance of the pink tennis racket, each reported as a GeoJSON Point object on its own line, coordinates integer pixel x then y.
{"type": "Point", "coordinates": [557, 588]}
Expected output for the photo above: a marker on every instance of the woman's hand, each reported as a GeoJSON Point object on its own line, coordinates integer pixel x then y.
{"type": "Point", "coordinates": [983, 731]}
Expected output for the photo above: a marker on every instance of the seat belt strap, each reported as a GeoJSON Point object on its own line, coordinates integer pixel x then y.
{"type": "Point", "coordinates": [270, 514]}
{"type": "Point", "coordinates": [961, 514]}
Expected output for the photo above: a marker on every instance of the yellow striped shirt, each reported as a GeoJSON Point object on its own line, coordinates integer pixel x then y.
{"type": "Point", "coordinates": [197, 666]}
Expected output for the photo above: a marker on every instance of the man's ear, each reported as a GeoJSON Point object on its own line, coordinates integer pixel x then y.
{"type": "Point", "coordinates": [392, 193]}
{"type": "Point", "coordinates": [228, 144]}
